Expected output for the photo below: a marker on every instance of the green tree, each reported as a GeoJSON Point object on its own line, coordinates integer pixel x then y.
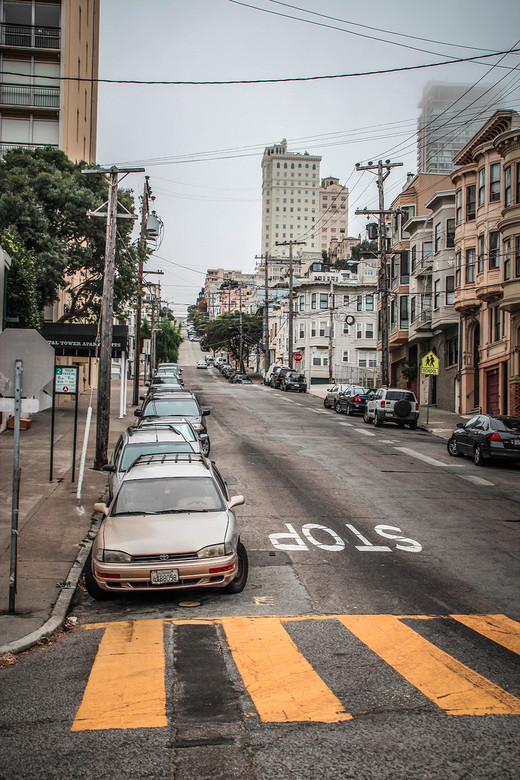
{"type": "Point", "coordinates": [44, 199]}
{"type": "Point", "coordinates": [168, 340]}
{"type": "Point", "coordinates": [21, 292]}
{"type": "Point", "coordinates": [230, 332]}
{"type": "Point", "coordinates": [357, 252]}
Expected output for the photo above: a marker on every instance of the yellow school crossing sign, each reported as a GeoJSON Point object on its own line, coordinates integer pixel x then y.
{"type": "Point", "coordinates": [430, 364]}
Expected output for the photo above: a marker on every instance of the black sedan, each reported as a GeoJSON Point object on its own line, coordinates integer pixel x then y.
{"type": "Point", "coordinates": [294, 381]}
{"type": "Point", "coordinates": [487, 437]}
{"type": "Point", "coordinates": [353, 400]}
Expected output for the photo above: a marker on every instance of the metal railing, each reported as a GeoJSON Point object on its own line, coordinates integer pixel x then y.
{"type": "Point", "coordinates": [30, 95]}
{"type": "Point", "coordinates": [8, 145]}
{"type": "Point", "coordinates": [30, 36]}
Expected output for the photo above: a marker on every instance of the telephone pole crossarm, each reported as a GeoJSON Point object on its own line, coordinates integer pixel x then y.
{"type": "Point", "coordinates": [290, 244]}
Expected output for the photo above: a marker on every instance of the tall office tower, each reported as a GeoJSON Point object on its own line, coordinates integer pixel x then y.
{"type": "Point", "coordinates": [333, 212]}
{"type": "Point", "coordinates": [450, 115]}
{"type": "Point", "coordinates": [39, 43]}
{"type": "Point", "coordinates": [290, 200]}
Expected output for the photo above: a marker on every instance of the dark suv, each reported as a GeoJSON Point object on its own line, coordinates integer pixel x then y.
{"type": "Point", "coordinates": [293, 380]}
{"type": "Point", "coordinates": [278, 375]}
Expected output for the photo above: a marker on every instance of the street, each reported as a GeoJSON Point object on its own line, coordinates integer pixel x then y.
{"type": "Point", "coordinates": [378, 635]}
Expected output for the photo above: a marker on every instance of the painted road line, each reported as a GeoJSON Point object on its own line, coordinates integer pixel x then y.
{"type": "Point", "coordinates": [425, 458]}
{"type": "Point", "coordinates": [282, 684]}
{"type": "Point", "coordinates": [475, 480]}
{"type": "Point", "coordinates": [453, 687]}
{"type": "Point", "coordinates": [499, 628]}
{"type": "Point", "coordinates": [365, 433]}
{"type": "Point", "coordinates": [126, 688]}
{"type": "Point", "coordinates": [346, 424]}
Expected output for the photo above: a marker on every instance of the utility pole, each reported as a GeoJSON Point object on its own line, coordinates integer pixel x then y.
{"type": "Point", "coordinates": [142, 252]}
{"type": "Point", "coordinates": [331, 329]}
{"type": "Point", "coordinates": [290, 244]}
{"type": "Point", "coordinates": [241, 366]}
{"type": "Point", "coordinates": [383, 171]}
{"type": "Point", "coordinates": [107, 309]}
{"type": "Point", "coordinates": [265, 258]}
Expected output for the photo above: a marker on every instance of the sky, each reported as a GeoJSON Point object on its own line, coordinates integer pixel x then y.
{"type": "Point", "coordinates": [202, 145]}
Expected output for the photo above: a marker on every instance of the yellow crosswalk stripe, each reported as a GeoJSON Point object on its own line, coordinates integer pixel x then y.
{"type": "Point", "coordinates": [126, 687]}
{"type": "Point", "coordinates": [499, 628]}
{"type": "Point", "coordinates": [282, 684]}
{"type": "Point", "coordinates": [453, 687]}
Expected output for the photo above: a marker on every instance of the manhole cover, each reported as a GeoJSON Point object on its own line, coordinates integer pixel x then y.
{"type": "Point", "coordinates": [189, 604]}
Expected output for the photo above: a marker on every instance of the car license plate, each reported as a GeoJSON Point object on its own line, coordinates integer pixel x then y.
{"type": "Point", "coordinates": [515, 442]}
{"type": "Point", "coordinates": [164, 576]}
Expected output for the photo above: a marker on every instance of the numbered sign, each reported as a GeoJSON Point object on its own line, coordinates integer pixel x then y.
{"type": "Point", "coordinates": [66, 380]}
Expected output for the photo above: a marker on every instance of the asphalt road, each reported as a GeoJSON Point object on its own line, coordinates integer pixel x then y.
{"type": "Point", "coordinates": [378, 635]}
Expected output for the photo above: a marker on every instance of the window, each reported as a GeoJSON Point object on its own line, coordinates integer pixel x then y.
{"type": "Point", "coordinates": [324, 300]}
{"type": "Point", "coordinates": [362, 359]}
{"type": "Point", "coordinates": [313, 329]}
{"type": "Point", "coordinates": [436, 293]}
{"type": "Point", "coordinates": [480, 254]}
{"type": "Point", "coordinates": [302, 330]}
{"type": "Point", "coordinates": [345, 328]}
{"type": "Point", "coordinates": [369, 330]}
{"type": "Point", "coordinates": [359, 303]}
{"type": "Point", "coordinates": [494, 246]}
{"type": "Point", "coordinates": [313, 301]}
{"type": "Point", "coordinates": [458, 206]}
{"type": "Point", "coordinates": [346, 300]}
{"type": "Point", "coordinates": [369, 302]}
{"type": "Point", "coordinates": [470, 266]}
{"type": "Point", "coordinates": [404, 317]}
{"type": "Point", "coordinates": [407, 212]}
{"type": "Point", "coordinates": [412, 309]}
{"type": "Point", "coordinates": [427, 252]}
{"type": "Point", "coordinates": [450, 290]}
{"type": "Point", "coordinates": [316, 360]}
{"type": "Point", "coordinates": [405, 267]}
{"type": "Point", "coordinates": [359, 330]}
{"type": "Point", "coordinates": [324, 328]}
{"type": "Point", "coordinates": [458, 268]}
{"type": "Point", "coordinates": [507, 259]}
{"type": "Point", "coordinates": [517, 257]}
{"type": "Point", "coordinates": [345, 356]}
{"type": "Point", "coordinates": [437, 237]}
{"type": "Point", "coordinates": [518, 183]}
{"type": "Point", "coordinates": [302, 302]}
{"type": "Point", "coordinates": [481, 186]}
{"type": "Point", "coordinates": [507, 186]}
{"type": "Point", "coordinates": [372, 359]}
{"type": "Point", "coordinates": [452, 352]}
{"type": "Point", "coordinates": [470, 202]}
{"type": "Point", "coordinates": [450, 233]}
{"type": "Point", "coordinates": [494, 181]}
{"type": "Point", "coordinates": [414, 257]}
{"type": "Point", "coordinates": [494, 323]}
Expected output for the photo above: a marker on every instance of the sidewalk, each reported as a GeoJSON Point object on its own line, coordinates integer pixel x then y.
{"type": "Point", "coordinates": [54, 527]}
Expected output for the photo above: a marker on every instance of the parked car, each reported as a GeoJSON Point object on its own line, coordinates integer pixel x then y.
{"type": "Point", "coordinates": [487, 437]}
{"type": "Point", "coordinates": [135, 442]}
{"type": "Point", "coordinates": [175, 405]}
{"type": "Point", "coordinates": [240, 379]}
{"type": "Point", "coordinates": [168, 368]}
{"type": "Point", "coordinates": [180, 424]}
{"type": "Point", "coordinates": [392, 404]}
{"type": "Point", "coordinates": [354, 400]}
{"type": "Point", "coordinates": [166, 379]}
{"type": "Point", "coordinates": [170, 526]}
{"type": "Point", "coordinates": [278, 375]}
{"type": "Point", "coordinates": [201, 364]}
{"type": "Point", "coordinates": [333, 394]}
{"type": "Point", "coordinates": [295, 381]}
{"type": "Point", "coordinates": [269, 373]}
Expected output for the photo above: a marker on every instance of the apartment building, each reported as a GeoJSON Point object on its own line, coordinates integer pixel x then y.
{"type": "Point", "coordinates": [290, 200]}
{"type": "Point", "coordinates": [333, 223]}
{"type": "Point", "coordinates": [41, 43]}
{"type": "Point", "coordinates": [487, 266]}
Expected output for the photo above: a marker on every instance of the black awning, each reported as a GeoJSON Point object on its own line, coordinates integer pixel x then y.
{"type": "Point", "coordinates": [80, 340]}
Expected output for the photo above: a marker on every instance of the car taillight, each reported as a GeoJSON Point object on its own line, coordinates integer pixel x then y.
{"type": "Point", "coordinates": [494, 437]}
{"type": "Point", "coordinates": [356, 398]}
{"type": "Point", "coordinates": [382, 404]}
{"type": "Point", "coordinates": [416, 406]}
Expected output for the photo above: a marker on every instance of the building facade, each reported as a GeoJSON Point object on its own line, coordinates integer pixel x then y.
{"type": "Point", "coordinates": [290, 200]}
{"type": "Point", "coordinates": [487, 266]}
{"type": "Point", "coordinates": [333, 224]}
{"type": "Point", "coordinates": [41, 43]}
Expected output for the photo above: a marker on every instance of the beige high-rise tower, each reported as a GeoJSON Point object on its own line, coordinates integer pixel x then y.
{"type": "Point", "coordinates": [48, 66]}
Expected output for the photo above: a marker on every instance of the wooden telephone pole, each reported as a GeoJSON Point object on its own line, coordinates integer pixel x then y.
{"type": "Point", "coordinates": [142, 252]}
{"type": "Point", "coordinates": [290, 244]}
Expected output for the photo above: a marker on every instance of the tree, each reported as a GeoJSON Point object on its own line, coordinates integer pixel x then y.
{"type": "Point", "coordinates": [231, 331]}
{"type": "Point", "coordinates": [356, 255]}
{"type": "Point", "coordinates": [21, 292]}
{"type": "Point", "coordinates": [44, 200]}
{"type": "Point", "coordinates": [167, 341]}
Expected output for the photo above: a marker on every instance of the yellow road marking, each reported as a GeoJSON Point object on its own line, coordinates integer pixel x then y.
{"type": "Point", "coordinates": [282, 684]}
{"type": "Point", "coordinates": [452, 686]}
{"type": "Point", "coordinates": [498, 628]}
{"type": "Point", "coordinates": [126, 684]}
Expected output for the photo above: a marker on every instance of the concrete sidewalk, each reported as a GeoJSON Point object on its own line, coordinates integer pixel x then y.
{"type": "Point", "coordinates": [55, 528]}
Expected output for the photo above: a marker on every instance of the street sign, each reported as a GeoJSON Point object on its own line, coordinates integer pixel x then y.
{"type": "Point", "coordinates": [297, 357]}
{"type": "Point", "coordinates": [430, 364]}
{"type": "Point", "coordinates": [66, 380]}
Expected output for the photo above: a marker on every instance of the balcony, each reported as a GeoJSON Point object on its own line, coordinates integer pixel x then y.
{"type": "Point", "coordinates": [511, 299]}
{"type": "Point", "coordinates": [29, 96]}
{"type": "Point", "coordinates": [8, 145]}
{"type": "Point", "coordinates": [424, 320]}
{"type": "Point", "coordinates": [424, 266]}
{"type": "Point", "coordinates": [466, 300]}
{"type": "Point", "coordinates": [30, 37]}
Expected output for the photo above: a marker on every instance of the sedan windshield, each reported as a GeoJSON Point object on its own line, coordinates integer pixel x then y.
{"type": "Point", "coordinates": [183, 407]}
{"type": "Point", "coordinates": [168, 494]}
{"type": "Point", "coordinates": [133, 451]}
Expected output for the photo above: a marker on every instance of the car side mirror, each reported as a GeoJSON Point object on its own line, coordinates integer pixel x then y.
{"type": "Point", "coordinates": [138, 412]}
{"type": "Point", "coordinates": [142, 398]}
{"type": "Point", "coordinates": [205, 412]}
{"type": "Point", "coordinates": [147, 384]}
{"type": "Point", "coordinates": [108, 467]}
{"type": "Point", "coordinates": [101, 508]}
{"type": "Point", "coordinates": [235, 501]}
{"type": "Point", "coordinates": [203, 436]}
{"type": "Point", "coordinates": [460, 425]}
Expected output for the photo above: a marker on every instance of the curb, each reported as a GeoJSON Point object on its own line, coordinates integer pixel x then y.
{"type": "Point", "coordinates": [61, 607]}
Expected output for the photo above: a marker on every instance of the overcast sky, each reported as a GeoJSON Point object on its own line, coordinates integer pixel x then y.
{"type": "Point", "coordinates": [202, 146]}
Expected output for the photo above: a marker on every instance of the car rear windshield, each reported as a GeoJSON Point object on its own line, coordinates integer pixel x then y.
{"type": "Point", "coordinates": [182, 407]}
{"type": "Point", "coordinates": [168, 494]}
{"type": "Point", "coordinates": [133, 451]}
{"type": "Point", "coordinates": [297, 378]}
{"type": "Point", "coordinates": [395, 395]}
{"type": "Point", "coordinates": [508, 424]}
{"type": "Point", "coordinates": [361, 391]}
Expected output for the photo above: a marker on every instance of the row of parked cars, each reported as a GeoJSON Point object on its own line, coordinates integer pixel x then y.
{"type": "Point", "coordinates": [285, 378]}
{"type": "Point", "coordinates": [385, 404]}
{"type": "Point", "coordinates": [169, 522]}
{"type": "Point", "coordinates": [233, 375]}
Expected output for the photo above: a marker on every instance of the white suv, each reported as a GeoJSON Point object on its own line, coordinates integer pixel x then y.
{"type": "Point", "coordinates": [392, 404]}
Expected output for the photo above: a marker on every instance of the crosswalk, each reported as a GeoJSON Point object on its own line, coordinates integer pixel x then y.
{"type": "Point", "coordinates": [126, 687]}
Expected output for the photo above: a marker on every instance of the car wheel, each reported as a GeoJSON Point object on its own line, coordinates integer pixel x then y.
{"type": "Point", "coordinates": [238, 584]}
{"type": "Point", "coordinates": [451, 446]}
{"type": "Point", "coordinates": [91, 585]}
{"type": "Point", "coordinates": [378, 421]}
{"type": "Point", "coordinates": [348, 410]}
{"type": "Point", "coordinates": [478, 456]}
{"type": "Point", "coordinates": [206, 446]}
{"type": "Point", "coordinates": [337, 407]}
{"type": "Point", "coordinates": [325, 404]}
{"type": "Point", "coordinates": [402, 424]}
{"type": "Point", "coordinates": [413, 425]}
{"type": "Point", "coordinates": [367, 418]}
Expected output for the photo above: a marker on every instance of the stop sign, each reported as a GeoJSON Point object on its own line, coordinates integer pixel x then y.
{"type": "Point", "coordinates": [297, 356]}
